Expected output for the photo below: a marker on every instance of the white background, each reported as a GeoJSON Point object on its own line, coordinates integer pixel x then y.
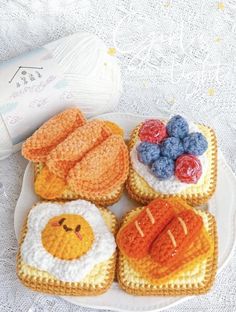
{"type": "Point", "coordinates": [178, 56]}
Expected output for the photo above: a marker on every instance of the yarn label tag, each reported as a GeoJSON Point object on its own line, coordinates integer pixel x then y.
{"type": "Point", "coordinates": [32, 89]}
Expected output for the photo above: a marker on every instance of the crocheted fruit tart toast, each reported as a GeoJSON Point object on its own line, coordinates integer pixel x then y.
{"type": "Point", "coordinates": [170, 159]}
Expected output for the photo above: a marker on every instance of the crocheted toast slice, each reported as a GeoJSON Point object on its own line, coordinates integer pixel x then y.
{"type": "Point", "coordinates": [96, 282]}
{"type": "Point", "coordinates": [75, 146]}
{"type": "Point", "coordinates": [194, 194]}
{"type": "Point", "coordinates": [50, 187]}
{"type": "Point", "coordinates": [194, 274]}
{"type": "Point", "coordinates": [37, 147]}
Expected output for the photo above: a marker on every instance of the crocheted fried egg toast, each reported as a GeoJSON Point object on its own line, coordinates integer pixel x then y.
{"type": "Point", "coordinates": [68, 249]}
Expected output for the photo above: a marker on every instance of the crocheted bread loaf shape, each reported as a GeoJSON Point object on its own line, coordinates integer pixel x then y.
{"type": "Point", "coordinates": [37, 147]}
{"type": "Point", "coordinates": [102, 169]}
{"type": "Point", "coordinates": [75, 146]}
{"type": "Point", "coordinates": [177, 236]}
{"type": "Point", "coordinates": [135, 239]}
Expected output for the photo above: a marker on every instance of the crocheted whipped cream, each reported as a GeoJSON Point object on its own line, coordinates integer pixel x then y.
{"type": "Point", "coordinates": [171, 185]}
{"type": "Point", "coordinates": [34, 254]}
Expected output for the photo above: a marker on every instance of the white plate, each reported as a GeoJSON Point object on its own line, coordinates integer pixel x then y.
{"type": "Point", "coordinates": [222, 205]}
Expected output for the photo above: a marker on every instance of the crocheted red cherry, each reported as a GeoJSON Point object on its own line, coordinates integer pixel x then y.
{"type": "Point", "coordinates": [153, 131]}
{"type": "Point", "coordinates": [188, 169]}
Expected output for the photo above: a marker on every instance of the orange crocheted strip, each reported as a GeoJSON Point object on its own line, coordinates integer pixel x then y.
{"type": "Point", "coordinates": [135, 238]}
{"type": "Point", "coordinates": [201, 248]}
{"type": "Point", "coordinates": [177, 236]}
{"type": "Point", "coordinates": [75, 146]}
{"type": "Point", "coordinates": [102, 169]}
{"type": "Point", "coordinates": [51, 133]}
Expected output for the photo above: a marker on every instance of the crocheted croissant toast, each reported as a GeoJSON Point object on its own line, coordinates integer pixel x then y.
{"type": "Point", "coordinates": [75, 158]}
{"type": "Point", "coordinates": [167, 248]}
{"type": "Point", "coordinates": [51, 133]}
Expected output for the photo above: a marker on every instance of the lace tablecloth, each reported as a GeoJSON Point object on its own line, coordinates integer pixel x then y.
{"type": "Point", "coordinates": [177, 56]}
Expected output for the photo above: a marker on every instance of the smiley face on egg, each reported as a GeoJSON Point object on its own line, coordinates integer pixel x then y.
{"type": "Point", "coordinates": [66, 240]}
{"type": "Point", "coordinates": [68, 236]}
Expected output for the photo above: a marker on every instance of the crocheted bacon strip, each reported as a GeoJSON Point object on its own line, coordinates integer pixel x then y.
{"type": "Point", "coordinates": [200, 249]}
{"type": "Point", "coordinates": [135, 239]}
{"type": "Point", "coordinates": [176, 237]}
{"type": "Point", "coordinates": [75, 146]}
{"type": "Point", "coordinates": [37, 147]}
{"type": "Point", "coordinates": [102, 169]}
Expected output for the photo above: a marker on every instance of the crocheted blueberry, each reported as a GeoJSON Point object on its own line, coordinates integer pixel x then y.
{"type": "Point", "coordinates": [148, 152]}
{"type": "Point", "coordinates": [177, 127]}
{"type": "Point", "coordinates": [163, 168]}
{"type": "Point", "coordinates": [195, 143]}
{"type": "Point", "coordinates": [172, 147]}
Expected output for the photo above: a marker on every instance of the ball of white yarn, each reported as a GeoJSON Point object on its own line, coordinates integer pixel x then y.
{"type": "Point", "coordinates": [93, 75]}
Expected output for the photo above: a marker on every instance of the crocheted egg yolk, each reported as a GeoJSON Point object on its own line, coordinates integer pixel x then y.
{"type": "Point", "coordinates": [67, 237]}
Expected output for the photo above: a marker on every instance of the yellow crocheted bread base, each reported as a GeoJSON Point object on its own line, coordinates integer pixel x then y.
{"type": "Point", "coordinates": [66, 194]}
{"type": "Point", "coordinates": [195, 195]}
{"type": "Point", "coordinates": [95, 283]}
{"type": "Point", "coordinates": [196, 277]}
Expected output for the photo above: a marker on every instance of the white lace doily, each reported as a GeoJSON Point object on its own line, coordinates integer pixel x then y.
{"type": "Point", "coordinates": [177, 56]}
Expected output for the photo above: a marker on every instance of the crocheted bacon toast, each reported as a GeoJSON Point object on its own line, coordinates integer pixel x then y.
{"type": "Point", "coordinates": [90, 163]}
{"type": "Point", "coordinates": [180, 260]}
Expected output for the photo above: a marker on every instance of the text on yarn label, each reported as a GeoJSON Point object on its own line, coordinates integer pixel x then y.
{"type": "Point", "coordinates": [32, 90]}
